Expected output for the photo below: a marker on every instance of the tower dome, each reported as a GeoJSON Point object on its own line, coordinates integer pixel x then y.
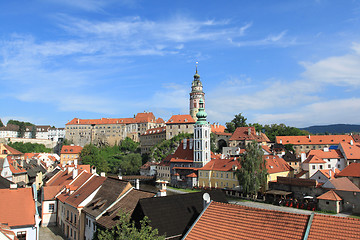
{"type": "Point", "coordinates": [201, 115]}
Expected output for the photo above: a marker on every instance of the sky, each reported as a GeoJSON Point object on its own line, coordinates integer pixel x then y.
{"type": "Point", "coordinates": [284, 61]}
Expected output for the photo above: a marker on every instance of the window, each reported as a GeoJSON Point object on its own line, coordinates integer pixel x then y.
{"type": "Point", "coordinates": [313, 167]}
{"type": "Point", "coordinates": [51, 207]}
{"type": "Point", "coordinates": [329, 165]}
{"type": "Point", "coordinates": [74, 234]}
{"type": "Point", "coordinates": [71, 217]}
{"type": "Point", "coordinates": [21, 235]}
{"type": "Point", "coordinates": [94, 227]}
{"type": "Point", "coordinates": [74, 218]}
{"type": "Point", "coordinates": [321, 166]}
{"type": "Point", "coordinates": [327, 202]}
{"type": "Point", "coordinates": [67, 215]}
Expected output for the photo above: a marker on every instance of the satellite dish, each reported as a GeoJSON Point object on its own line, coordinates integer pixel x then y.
{"type": "Point", "coordinates": [206, 197]}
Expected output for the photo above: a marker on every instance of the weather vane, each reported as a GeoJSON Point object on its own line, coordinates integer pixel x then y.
{"type": "Point", "coordinates": [196, 64]}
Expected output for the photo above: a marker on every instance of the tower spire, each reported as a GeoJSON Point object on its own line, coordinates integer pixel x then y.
{"type": "Point", "coordinates": [196, 67]}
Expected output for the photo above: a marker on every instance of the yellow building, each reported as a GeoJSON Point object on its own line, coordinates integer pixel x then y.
{"type": "Point", "coordinates": [69, 153]}
{"type": "Point", "coordinates": [219, 173]}
{"type": "Point", "coordinates": [277, 167]}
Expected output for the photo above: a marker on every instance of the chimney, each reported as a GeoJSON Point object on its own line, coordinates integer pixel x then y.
{"type": "Point", "coordinates": [93, 170]}
{"type": "Point", "coordinates": [330, 173]}
{"type": "Point", "coordinates": [326, 149]}
{"type": "Point", "coordinates": [75, 163]}
{"type": "Point", "coordinates": [191, 141]}
{"type": "Point", "coordinates": [184, 143]}
{"type": "Point", "coordinates": [303, 157]}
{"type": "Point", "coordinates": [13, 186]}
{"type": "Point", "coordinates": [206, 199]}
{"type": "Point", "coordinates": [309, 136]}
{"type": "Point", "coordinates": [137, 184]}
{"type": "Point", "coordinates": [75, 173]}
{"type": "Point", "coordinates": [351, 142]}
{"type": "Point", "coordinates": [280, 141]}
{"type": "Point", "coordinates": [162, 191]}
{"type": "Point", "coordinates": [102, 174]}
{"type": "Point", "coordinates": [249, 131]}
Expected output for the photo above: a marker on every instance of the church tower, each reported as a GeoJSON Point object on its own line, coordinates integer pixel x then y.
{"type": "Point", "coordinates": [202, 132]}
{"type": "Point", "coordinates": [195, 95]}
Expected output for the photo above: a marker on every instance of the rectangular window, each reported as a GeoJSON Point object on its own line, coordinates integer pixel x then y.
{"type": "Point", "coordinates": [51, 207]}
{"type": "Point", "coordinates": [21, 235]}
{"type": "Point", "coordinates": [313, 167]}
{"type": "Point", "coordinates": [329, 165]}
{"type": "Point", "coordinates": [71, 217]}
{"type": "Point", "coordinates": [321, 166]}
{"type": "Point", "coordinates": [75, 218]}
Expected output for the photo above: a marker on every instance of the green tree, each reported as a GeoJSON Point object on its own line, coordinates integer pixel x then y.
{"type": "Point", "coordinates": [166, 147]}
{"type": "Point", "coordinates": [22, 126]}
{"type": "Point", "coordinates": [1, 123]}
{"type": "Point", "coordinates": [29, 147]}
{"type": "Point", "coordinates": [128, 145]}
{"type": "Point", "coordinates": [125, 229]}
{"type": "Point", "coordinates": [91, 155]}
{"type": "Point", "coordinates": [274, 130]}
{"type": "Point", "coordinates": [252, 175]}
{"type": "Point", "coordinates": [258, 127]}
{"type": "Point", "coordinates": [238, 121]}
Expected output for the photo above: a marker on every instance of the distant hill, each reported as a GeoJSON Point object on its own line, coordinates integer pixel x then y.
{"type": "Point", "coordinates": [333, 129]}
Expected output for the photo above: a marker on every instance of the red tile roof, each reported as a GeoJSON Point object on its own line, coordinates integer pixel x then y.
{"type": "Point", "coordinates": [215, 128]}
{"type": "Point", "coordinates": [343, 184]}
{"type": "Point", "coordinates": [139, 118]}
{"type": "Point", "coordinates": [61, 178]}
{"type": "Point", "coordinates": [314, 139]}
{"type": "Point", "coordinates": [327, 172]}
{"type": "Point", "coordinates": [248, 134]}
{"type": "Point", "coordinates": [266, 148]}
{"type": "Point", "coordinates": [192, 175]}
{"type": "Point", "coordinates": [228, 221]}
{"type": "Point", "coordinates": [17, 207]}
{"type": "Point", "coordinates": [351, 151]}
{"type": "Point", "coordinates": [68, 149]}
{"type": "Point", "coordinates": [51, 191]}
{"type": "Point", "coordinates": [15, 167]}
{"type": "Point", "coordinates": [154, 131]}
{"type": "Point", "coordinates": [218, 164]}
{"type": "Point", "coordinates": [83, 192]}
{"type": "Point", "coordinates": [353, 170]}
{"type": "Point", "coordinates": [275, 164]}
{"type": "Point", "coordinates": [313, 159]}
{"type": "Point", "coordinates": [331, 227]}
{"type": "Point", "coordinates": [12, 151]}
{"type": "Point", "coordinates": [175, 119]}
{"type": "Point", "coordinates": [332, 153]}
{"type": "Point", "coordinates": [330, 195]}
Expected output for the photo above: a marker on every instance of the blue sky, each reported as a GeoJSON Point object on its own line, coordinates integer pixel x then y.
{"type": "Point", "coordinates": [292, 62]}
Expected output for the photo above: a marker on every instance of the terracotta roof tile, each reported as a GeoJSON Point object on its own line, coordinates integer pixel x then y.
{"type": "Point", "coordinates": [67, 149]}
{"type": "Point", "coordinates": [51, 191]}
{"type": "Point", "coordinates": [342, 183]}
{"type": "Point", "coordinates": [228, 221]}
{"type": "Point", "coordinates": [12, 151]}
{"type": "Point", "coordinates": [314, 159]}
{"type": "Point", "coordinates": [249, 134]}
{"type": "Point", "coordinates": [330, 195]}
{"type": "Point", "coordinates": [84, 191]}
{"type": "Point", "coordinates": [326, 172]}
{"type": "Point", "coordinates": [314, 139]}
{"type": "Point", "coordinates": [218, 164]}
{"type": "Point", "coordinates": [275, 164]}
{"type": "Point", "coordinates": [353, 170]}
{"type": "Point", "coordinates": [17, 207]}
{"type": "Point", "coordinates": [139, 118]}
{"type": "Point", "coordinates": [175, 119]}
{"type": "Point", "coordinates": [325, 227]}
{"type": "Point", "coordinates": [351, 151]}
{"type": "Point", "coordinates": [332, 153]}
{"type": "Point", "coordinates": [215, 128]}
{"type": "Point", "coordinates": [154, 131]}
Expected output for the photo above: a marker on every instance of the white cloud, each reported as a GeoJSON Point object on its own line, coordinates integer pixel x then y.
{"type": "Point", "coordinates": [339, 71]}
{"type": "Point", "coordinates": [319, 113]}
{"type": "Point", "coordinates": [279, 39]}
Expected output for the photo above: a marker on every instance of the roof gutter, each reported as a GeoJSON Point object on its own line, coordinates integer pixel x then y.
{"type": "Point", "coordinates": [196, 220]}
{"type": "Point", "coordinates": [308, 226]}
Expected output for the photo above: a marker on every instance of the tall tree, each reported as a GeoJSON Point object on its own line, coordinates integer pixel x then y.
{"type": "Point", "coordinates": [1, 123]}
{"type": "Point", "coordinates": [238, 121]}
{"type": "Point", "coordinates": [127, 230]}
{"type": "Point", "coordinates": [252, 175]}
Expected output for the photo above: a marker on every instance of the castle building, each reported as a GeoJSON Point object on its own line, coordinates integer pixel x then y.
{"type": "Point", "coordinates": [195, 95]}
{"type": "Point", "coordinates": [202, 130]}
